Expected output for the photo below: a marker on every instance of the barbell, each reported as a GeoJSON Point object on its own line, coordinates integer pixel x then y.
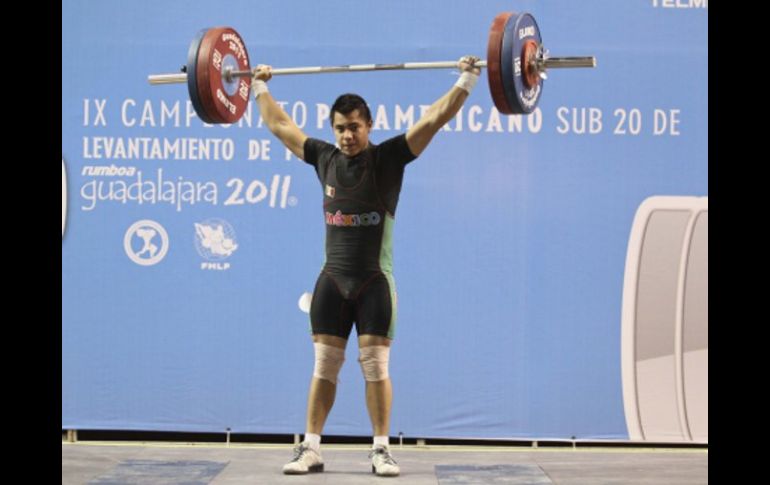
{"type": "Point", "coordinates": [218, 74]}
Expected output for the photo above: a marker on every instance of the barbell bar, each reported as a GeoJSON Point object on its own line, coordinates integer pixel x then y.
{"type": "Point", "coordinates": [219, 77]}
{"type": "Point", "coordinates": [548, 63]}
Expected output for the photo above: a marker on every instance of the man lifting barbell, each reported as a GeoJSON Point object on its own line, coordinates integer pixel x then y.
{"type": "Point", "coordinates": [361, 183]}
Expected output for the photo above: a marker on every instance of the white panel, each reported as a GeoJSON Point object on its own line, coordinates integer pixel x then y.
{"type": "Point", "coordinates": [664, 331]}
{"type": "Point", "coordinates": [696, 386]}
{"type": "Point", "coordinates": [696, 330]}
{"type": "Point", "coordinates": [657, 399]}
{"type": "Point", "coordinates": [656, 318]}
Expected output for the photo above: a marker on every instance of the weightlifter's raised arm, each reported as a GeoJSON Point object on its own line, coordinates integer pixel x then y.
{"type": "Point", "coordinates": [276, 119]}
{"type": "Point", "coordinates": [445, 108]}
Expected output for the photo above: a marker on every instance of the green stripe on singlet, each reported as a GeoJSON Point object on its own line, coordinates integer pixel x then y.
{"type": "Point", "coordinates": [386, 266]}
{"type": "Point", "coordinates": [309, 318]}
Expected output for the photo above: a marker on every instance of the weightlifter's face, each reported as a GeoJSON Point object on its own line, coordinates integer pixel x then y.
{"type": "Point", "coordinates": [351, 132]}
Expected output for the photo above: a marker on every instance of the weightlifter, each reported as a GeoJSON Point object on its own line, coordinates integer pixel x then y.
{"type": "Point", "coordinates": [361, 183]}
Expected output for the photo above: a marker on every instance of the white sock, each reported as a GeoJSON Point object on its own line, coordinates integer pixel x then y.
{"type": "Point", "coordinates": [380, 441]}
{"type": "Point", "coordinates": [314, 440]}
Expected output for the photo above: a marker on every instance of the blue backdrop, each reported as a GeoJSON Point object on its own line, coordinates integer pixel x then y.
{"type": "Point", "coordinates": [510, 236]}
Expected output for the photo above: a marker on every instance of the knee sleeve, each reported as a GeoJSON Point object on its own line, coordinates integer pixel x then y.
{"type": "Point", "coordinates": [374, 362]}
{"type": "Point", "coordinates": [328, 361]}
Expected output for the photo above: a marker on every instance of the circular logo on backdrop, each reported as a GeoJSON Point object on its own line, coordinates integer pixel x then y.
{"type": "Point", "coordinates": [215, 239]}
{"type": "Point", "coordinates": [146, 242]}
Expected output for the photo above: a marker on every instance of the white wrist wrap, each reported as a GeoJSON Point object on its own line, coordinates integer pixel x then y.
{"type": "Point", "coordinates": [258, 87]}
{"type": "Point", "coordinates": [466, 81]}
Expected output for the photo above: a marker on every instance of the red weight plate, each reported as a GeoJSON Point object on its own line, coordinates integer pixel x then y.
{"type": "Point", "coordinates": [494, 70]}
{"type": "Point", "coordinates": [222, 48]}
{"type": "Point", "coordinates": [192, 78]}
{"type": "Point", "coordinates": [202, 74]}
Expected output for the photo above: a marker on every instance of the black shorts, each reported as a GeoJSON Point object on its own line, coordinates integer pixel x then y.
{"type": "Point", "coordinates": [368, 300]}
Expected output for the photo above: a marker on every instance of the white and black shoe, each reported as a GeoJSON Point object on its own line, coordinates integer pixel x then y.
{"type": "Point", "coordinates": [383, 464]}
{"type": "Point", "coordinates": [306, 460]}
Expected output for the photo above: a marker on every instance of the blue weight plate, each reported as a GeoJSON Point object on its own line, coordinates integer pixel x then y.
{"type": "Point", "coordinates": [519, 29]}
{"type": "Point", "coordinates": [192, 78]}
